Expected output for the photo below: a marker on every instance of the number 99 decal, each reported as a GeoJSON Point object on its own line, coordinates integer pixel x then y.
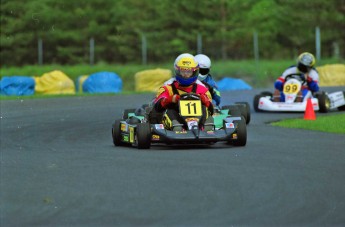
{"type": "Point", "coordinates": [290, 88]}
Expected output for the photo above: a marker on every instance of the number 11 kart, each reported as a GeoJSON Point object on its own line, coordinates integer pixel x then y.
{"type": "Point", "coordinates": [142, 130]}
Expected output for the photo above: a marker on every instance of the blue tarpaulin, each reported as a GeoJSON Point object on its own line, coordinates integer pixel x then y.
{"type": "Point", "coordinates": [228, 84]}
{"type": "Point", "coordinates": [102, 82]}
{"type": "Point", "coordinates": [17, 85]}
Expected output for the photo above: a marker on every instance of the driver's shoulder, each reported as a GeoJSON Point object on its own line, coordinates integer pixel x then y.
{"type": "Point", "coordinates": [290, 70]}
{"type": "Point", "coordinates": [201, 88]}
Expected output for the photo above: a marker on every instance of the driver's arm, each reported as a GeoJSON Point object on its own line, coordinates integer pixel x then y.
{"type": "Point", "coordinates": [164, 98]}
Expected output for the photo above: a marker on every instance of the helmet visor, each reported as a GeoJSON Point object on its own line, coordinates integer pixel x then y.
{"type": "Point", "coordinates": [303, 68]}
{"type": "Point", "coordinates": [186, 72]}
{"type": "Point", "coordinates": [204, 71]}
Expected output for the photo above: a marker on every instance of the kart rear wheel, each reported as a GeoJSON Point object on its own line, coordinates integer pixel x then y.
{"type": "Point", "coordinates": [143, 135]}
{"type": "Point", "coordinates": [241, 130]}
{"type": "Point", "coordinates": [256, 102]}
{"type": "Point", "coordinates": [234, 110]}
{"type": "Point", "coordinates": [245, 110]}
{"type": "Point", "coordinates": [324, 102]}
{"type": "Point", "coordinates": [341, 108]}
{"type": "Point", "coordinates": [116, 133]}
{"type": "Point", "coordinates": [126, 112]}
{"type": "Point", "coordinates": [266, 93]}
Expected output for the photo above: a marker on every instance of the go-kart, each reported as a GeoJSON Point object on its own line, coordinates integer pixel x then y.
{"type": "Point", "coordinates": [321, 101]}
{"type": "Point", "coordinates": [143, 129]}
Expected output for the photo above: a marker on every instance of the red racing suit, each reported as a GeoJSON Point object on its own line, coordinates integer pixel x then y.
{"type": "Point", "coordinates": [167, 98]}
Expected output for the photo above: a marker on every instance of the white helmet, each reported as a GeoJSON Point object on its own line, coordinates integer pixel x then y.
{"type": "Point", "coordinates": [204, 64]}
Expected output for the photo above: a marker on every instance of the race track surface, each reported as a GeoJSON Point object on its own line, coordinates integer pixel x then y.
{"type": "Point", "coordinates": [60, 168]}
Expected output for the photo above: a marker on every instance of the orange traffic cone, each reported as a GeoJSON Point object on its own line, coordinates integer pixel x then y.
{"type": "Point", "coordinates": [309, 113]}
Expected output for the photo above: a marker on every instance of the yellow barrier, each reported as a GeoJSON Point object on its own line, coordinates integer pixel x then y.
{"type": "Point", "coordinates": [55, 82]}
{"type": "Point", "coordinates": [332, 75]}
{"type": "Point", "coordinates": [152, 79]}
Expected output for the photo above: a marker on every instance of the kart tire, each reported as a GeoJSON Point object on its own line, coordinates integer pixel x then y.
{"type": "Point", "coordinates": [116, 133]}
{"type": "Point", "coordinates": [241, 133]}
{"type": "Point", "coordinates": [324, 102]}
{"type": "Point", "coordinates": [266, 93]}
{"type": "Point", "coordinates": [256, 102]}
{"type": "Point", "coordinates": [246, 110]}
{"type": "Point", "coordinates": [143, 135]}
{"type": "Point", "coordinates": [341, 108]}
{"type": "Point", "coordinates": [126, 112]}
{"type": "Point", "coordinates": [234, 110]}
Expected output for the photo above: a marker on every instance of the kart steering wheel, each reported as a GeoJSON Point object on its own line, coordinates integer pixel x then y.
{"type": "Point", "coordinates": [189, 96]}
{"type": "Point", "coordinates": [298, 76]}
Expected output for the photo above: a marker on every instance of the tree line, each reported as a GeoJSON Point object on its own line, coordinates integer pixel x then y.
{"type": "Point", "coordinates": [284, 27]}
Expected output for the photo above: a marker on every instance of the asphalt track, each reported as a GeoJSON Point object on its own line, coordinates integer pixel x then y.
{"type": "Point", "coordinates": [60, 168]}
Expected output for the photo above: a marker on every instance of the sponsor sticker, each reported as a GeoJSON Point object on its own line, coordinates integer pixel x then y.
{"type": "Point", "coordinates": [131, 134]}
{"type": "Point", "coordinates": [159, 126]}
{"type": "Point", "coordinates": [155, 137]}
{"type": "Point", "coordinates": [229, 125]}
{"type": "Point", "coordinates": [124, 127]}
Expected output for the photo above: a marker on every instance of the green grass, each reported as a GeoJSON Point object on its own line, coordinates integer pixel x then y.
{"type": "Point", "coordinates": [257, 75]}
{"type": "Point", "coordinates": [332, 123]}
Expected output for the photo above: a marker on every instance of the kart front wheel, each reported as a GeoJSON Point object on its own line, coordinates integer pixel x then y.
{"type": "Point", "coordinates": [143, 136]}
{"type": "Point", "coordinates": [241, 131]}
{"type": "Point", "coordinates": [116, 133]}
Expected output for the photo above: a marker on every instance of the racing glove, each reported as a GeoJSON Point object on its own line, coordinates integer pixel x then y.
{"type": "Point", "coordinates": [171, 99]}
{"type": "Point", "coordinates": [278, 85]}
{"type": "Point", "coordinates": [309, 79]}
{"type": "Point", "coordinates": [205, 100]}
{"type": "Point", "coordinates": [312, 85]}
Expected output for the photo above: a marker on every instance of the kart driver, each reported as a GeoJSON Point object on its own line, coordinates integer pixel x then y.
{"type": "Point", "coordinates": [305, 66]}
{"type": "Point", "coordinates": [206, 78]}
{"type": "Point", "coordinates": [186, 74]}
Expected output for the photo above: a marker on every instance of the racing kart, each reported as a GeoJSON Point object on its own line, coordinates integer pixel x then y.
{"type": "Point", "coordinates": [141, 129]}
{"type": "Point", "coordinates": [321, 101]}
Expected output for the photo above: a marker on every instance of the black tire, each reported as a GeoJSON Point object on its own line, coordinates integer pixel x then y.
{"type": "Point", "coordinates": [341, 108]}
{"type": "Point", "coordinates": [116, 133]}
{"type": "Point", "coordinates": [234, 110]}
{"type": "Point", "coordinates": [241, 133]}
{"type": "Point", "coordinates": [256, 102]}
{"type": "Point", "coordinates": [126, 112]}
{"type": "Point", "coordinates": [324, 102]}
{"type": "Point", "coordinates": [143, 132]}
{"type": "Point", "coordinates": [266, 93]}
{"type": "Point", "coordinates": [246, 109]}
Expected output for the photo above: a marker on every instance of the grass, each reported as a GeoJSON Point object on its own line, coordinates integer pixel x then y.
{"type": "Point", "coordinates": [332, 123]}
{"type": "Point", "coordinates": [257, 75]}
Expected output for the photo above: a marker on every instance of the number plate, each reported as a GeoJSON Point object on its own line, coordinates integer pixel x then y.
{"type": "Point", "coordinates": [292, 88]}
{"type": "Point", "coordinates": [190, 108]}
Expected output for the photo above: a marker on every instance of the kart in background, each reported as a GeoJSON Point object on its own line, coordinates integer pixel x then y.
{"type": "Point", "coordinates": [141, 128]}
{"type": "Point", "coordinates": [321, 101]}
